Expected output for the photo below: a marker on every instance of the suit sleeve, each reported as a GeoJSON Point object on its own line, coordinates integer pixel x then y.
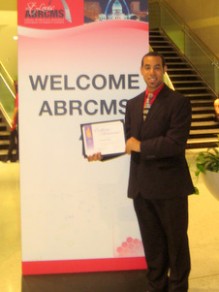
{"type": "Point", "coordinates": [127, 123]}
{"type": "Point", "coordinates": [172, 141]}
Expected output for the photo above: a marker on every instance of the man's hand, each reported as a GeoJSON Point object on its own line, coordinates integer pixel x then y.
{"type": "Point", "coordinates": [95, 157]}
{"type": "Point", "coordinates": [132, 144]}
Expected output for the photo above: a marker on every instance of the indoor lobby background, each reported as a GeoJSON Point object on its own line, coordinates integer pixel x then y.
{"type": "Point", "coordinates": [199, 17]}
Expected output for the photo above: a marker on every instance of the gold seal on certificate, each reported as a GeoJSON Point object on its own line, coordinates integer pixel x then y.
{"type": "Point", "coordinates": [106, 138]}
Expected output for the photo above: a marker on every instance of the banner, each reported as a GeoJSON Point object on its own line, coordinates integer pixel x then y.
{"type": "Point", "coordinates": [79, 62]}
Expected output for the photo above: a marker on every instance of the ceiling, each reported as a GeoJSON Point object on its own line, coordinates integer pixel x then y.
{"type": "Point", "coordinates": [8, 5]}
{"type": "Point", "coordinates": [8, 13]}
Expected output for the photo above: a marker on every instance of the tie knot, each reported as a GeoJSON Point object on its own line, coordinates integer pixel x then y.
{"type": "Point", "coordinates": [150, 96]}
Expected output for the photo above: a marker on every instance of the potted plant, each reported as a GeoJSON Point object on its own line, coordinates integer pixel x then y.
{"type": "Point", "coordinates": [207, 163]}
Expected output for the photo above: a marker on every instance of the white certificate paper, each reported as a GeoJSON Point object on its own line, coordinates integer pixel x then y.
{"type": "Point", "coordinates": [106, 138]}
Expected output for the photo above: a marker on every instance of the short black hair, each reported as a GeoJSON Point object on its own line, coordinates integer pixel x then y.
{"type": "Point", "coordinates": [154, 54]}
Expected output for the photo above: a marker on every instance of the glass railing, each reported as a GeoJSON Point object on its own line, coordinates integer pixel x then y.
{"type": "Point", "coordinates": [204, 61]}
{"type": "Point", "coordinates": [166, 76]}
{"type": "Point", "coordinates": [7, 94]}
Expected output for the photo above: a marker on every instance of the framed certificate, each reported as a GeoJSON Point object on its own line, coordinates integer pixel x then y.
{"type": "Point", "coordinates": [107, 138]}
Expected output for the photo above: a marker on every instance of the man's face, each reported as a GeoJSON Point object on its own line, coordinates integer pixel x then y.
{"type": "Point", "coordinates": [153, 71]}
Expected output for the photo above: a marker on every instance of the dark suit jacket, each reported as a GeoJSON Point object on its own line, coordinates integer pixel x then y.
{"type": "Point", "coordinates": [160, 170]}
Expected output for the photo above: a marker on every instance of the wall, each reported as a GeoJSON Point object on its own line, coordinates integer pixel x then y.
{"type": "Point", "coordinates": [202, 17]}
{"type": "Point", "coordinates": [8, 46]}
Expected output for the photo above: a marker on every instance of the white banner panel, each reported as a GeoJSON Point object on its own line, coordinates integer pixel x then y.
{"type": "Point", "coordinates": [78, 63]}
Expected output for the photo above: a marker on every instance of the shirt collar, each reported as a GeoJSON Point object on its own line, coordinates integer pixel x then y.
{"type": "Point", "coordinates": [156, 92]}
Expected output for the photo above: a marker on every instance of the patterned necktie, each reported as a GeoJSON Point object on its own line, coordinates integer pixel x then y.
{"type": "Point", "coordinates": [147, 105]}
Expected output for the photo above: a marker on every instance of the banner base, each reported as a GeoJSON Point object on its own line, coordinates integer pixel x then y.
{"type": "Point", "coordinates": [83, 266]}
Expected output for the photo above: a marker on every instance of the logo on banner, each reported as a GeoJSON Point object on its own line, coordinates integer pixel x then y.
{"type": "Point", "coordinates": [50, 13]}
{"type": "Point", "coordinates": [42, 12]}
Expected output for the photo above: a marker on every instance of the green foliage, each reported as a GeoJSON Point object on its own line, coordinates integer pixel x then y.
{"type": "Point", "coordinates": [196, 192]}
{"type": "Point", "coordinates": [207, 160]}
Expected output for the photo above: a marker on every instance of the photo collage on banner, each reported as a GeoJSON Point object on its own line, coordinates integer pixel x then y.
{"type": "Point", "coordinates": [79, 63]}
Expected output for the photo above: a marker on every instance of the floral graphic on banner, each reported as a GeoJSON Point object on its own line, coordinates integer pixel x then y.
{"type": "Point", "coordinates": [130, 247]}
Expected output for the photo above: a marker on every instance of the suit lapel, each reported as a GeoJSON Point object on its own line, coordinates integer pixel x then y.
{"type": "Point", "coordinates": [156, 107]}
{"type": "Point", "coordinates": [139, 113]}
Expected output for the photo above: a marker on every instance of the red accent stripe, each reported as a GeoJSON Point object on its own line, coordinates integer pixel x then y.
{"type": "Point", "coordinates": [83, 266]}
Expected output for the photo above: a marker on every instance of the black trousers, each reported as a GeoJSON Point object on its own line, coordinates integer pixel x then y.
{"type": "Point", "coordinates": [163, 226]}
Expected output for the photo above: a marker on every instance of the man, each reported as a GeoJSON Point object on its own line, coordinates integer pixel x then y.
{"type": "Point", "coordinates": [159, 180]}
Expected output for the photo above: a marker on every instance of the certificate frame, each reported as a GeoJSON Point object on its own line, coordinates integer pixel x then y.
{"type": "Point", "coordinates": [105, 137]}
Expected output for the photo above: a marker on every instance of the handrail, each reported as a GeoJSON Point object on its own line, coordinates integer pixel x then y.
{"type": "Point", "coordinates": [187, 29]}
{"type": "Point", "coordinates": [166, 76]}
{"type": "Point", "coordinates": [197, 53]}
{"type": "Point", "coordinates": [7, 78]}
{"type": "Point", "coordinates": [7, 94]}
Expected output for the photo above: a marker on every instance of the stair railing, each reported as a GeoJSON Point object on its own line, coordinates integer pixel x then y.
{"type": "Point", "coordinates": [162, 16]}
{"type": "Point", "coordinates": [7, 94]}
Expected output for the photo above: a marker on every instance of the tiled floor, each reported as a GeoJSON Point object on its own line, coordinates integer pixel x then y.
{"type": "Point", "coordinates": [204, 244]}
